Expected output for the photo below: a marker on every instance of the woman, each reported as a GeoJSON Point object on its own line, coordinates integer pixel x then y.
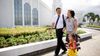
{"type": "Point", "coordinates": [71, 25]}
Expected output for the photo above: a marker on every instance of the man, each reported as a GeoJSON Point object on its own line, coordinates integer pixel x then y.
{"type": "Point", "coordinates": [58, 24]}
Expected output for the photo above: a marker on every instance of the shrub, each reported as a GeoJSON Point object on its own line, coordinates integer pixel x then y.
{"type": "Point", "coordinates": [23, 35]}
{"type": "Point", "coordinates": [21, 40]}
{"type": "Point", "coordinates": [3, 42]}
{"type": "Point", "coordinates": [12, 41]}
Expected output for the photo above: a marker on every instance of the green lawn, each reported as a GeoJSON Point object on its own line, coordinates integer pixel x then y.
{"type": "Point", "coordinates": [23, 35]}
{"type": "Point", "coordinates": [93, 26]}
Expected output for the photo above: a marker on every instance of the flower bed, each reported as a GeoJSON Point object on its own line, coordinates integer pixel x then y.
{"type": "Point", "coordinates": [23, 35]}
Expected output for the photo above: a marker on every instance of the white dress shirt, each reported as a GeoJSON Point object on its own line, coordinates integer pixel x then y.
{"type": "Point", "coordinates": [60, 21]}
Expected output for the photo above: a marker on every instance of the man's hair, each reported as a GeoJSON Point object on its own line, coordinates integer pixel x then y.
{"type": "Point", "coordinates": [72, 13]}
{"type": "Point", "coordinates": [58, 8]}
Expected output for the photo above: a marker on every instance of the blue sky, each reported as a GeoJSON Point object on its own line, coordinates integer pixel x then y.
{"type": "Point", "coordinates": [70, 4]}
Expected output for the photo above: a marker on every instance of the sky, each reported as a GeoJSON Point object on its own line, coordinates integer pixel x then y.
{"type": "Point", "coordinates": [71, 4]}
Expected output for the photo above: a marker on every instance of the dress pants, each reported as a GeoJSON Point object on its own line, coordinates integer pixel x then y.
{"type": "Point", "coordinates": [60, 43]}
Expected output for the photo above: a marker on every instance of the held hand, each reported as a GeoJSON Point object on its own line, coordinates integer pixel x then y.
{"type": "Point", "coordinates": [73, 32]}
{"type": "Point", "coordinates": [63, 29]}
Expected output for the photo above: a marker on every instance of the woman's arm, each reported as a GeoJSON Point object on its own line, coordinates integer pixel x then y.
{"type": "Point", "coordinates": [75, 26]}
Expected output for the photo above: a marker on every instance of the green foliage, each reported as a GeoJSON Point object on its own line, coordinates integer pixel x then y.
{"type": "Point", "coordinates": [94, 26]}
{"type": "Point", "coordinates": [23, 35]}
{"type": "Point", "coordinates": [80, 31]}
{"type": "Point", "coordinates": [18, 31]}
{"type": "Point", "coordinates": [84, 20]}
{"type": "Point", "coordinates": [3, 42]}
{"type": "Point", "coordinates": [12, 41]}
{"type": "Point", "coordinates": [92, 16]}
{"type": "Point", "coordinates": [98, 17]}
{"type": "Point", "coordinates": [21, 40]}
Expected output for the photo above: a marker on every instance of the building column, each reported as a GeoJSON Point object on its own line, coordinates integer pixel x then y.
{"type": "Point", "coordinates": [38, 14]}
{"type": "Point", "coordinates": [23, 12]}
{"type": "Point", "coordinates": [13, 15]}
{"type": "Point", "coordinates": [31, 14]}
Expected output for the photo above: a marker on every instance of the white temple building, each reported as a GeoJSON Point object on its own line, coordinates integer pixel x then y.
{"type": "Point", "coordinates": [27, 12]}
{"type": "Point", "coordinates": [24, 13]}
{"type": "Point", "coordinates": [32, 12]}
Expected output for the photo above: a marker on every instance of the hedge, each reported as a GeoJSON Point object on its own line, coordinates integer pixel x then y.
{"type": "Point", "coordinates": [23, 35]}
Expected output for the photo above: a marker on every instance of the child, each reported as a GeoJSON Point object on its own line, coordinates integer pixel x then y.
{"type": "Point", "coordinates": [72, 50]}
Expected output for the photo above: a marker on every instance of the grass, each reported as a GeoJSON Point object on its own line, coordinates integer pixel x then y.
{"type": "Point", "coordinates": [80, 31]}
{"type": "Point", "coordinates": [93, 26]}
{"type": "Point", "coordinates": [7, 32]}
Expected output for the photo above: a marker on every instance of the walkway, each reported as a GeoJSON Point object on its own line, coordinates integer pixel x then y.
{"type": "Point", "coordinates": [88, 48]}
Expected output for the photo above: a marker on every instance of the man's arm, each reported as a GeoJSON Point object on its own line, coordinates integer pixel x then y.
{"type": "Point", "coordinates": [53, 22]}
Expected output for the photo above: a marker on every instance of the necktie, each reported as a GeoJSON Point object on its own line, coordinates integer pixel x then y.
{"type": "Point", "coordinates": [57, 21]}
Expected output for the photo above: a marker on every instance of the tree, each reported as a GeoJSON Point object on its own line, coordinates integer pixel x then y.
{"type": "Point", "coordinates": [84, 20]}
{"type": "Point", "coordinates": [98, 18]}
{"type": "Point", "coordinates": [91, 17]}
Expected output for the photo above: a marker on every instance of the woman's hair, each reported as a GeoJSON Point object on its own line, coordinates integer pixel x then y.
{"type": "Point", "coordinates": [72, 13]}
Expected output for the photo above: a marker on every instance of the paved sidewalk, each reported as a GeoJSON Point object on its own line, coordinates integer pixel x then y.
{"type": "Point", "coordinates": [88, 48]}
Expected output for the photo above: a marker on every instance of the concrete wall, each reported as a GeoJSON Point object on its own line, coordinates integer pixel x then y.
{"type": "Point", "coordinates": [6, 13]}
